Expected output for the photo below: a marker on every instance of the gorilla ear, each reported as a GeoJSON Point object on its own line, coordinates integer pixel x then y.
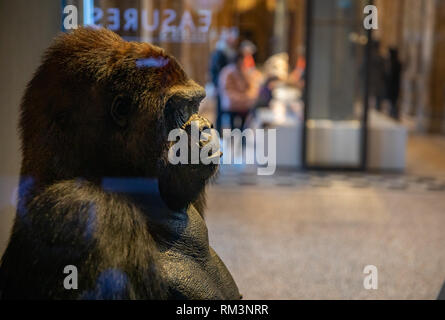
{"type": "Point", "coordinates": [120, 110]}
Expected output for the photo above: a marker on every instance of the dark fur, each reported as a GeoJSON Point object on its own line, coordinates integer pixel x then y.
{"type": "Point", "coordinates": [92, 113]}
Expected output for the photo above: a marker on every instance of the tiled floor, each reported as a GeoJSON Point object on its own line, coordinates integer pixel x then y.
{"type": "Point", "coordinates": [310, 235]}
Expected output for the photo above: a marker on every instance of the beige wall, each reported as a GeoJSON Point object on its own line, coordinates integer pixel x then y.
{"type": "Point", "coordinates": [417, 29]}
{"type": "Point", "coordinates": [437, 80]}
{"type": "Point", "coordinates": [26, 29]}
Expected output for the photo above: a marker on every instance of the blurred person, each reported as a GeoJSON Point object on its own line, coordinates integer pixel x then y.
{"type": "Point", "coordinates": [248, 49]}
{"type": "Point", "coordinates": [377, 75]}
{"type": "Point", "coordinates": [224, 53]}
{"type": "Point", "coordinates": [238, 90]}
{"type": "Point", "coordinates": [266, 91]}
{"type": "Point", "coordinates": [297, 75]}
{"type": "Point", "coordinates": [394, 74]}
{"type": "Point", "coordinates": [275, 74]}
{"type": "Point", "coordinates": [277, 66]}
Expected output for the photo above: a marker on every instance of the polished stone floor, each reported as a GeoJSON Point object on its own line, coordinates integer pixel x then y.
{"type": "Point", "coordinates": [309, 235]}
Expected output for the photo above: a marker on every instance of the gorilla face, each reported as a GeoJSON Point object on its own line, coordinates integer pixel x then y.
{"type": "Point", "coordinates": [182, 184]}
{"type": "Point", "coordinates": [182, 113]}
{"type": "Point", "coordinates": [140, 124]}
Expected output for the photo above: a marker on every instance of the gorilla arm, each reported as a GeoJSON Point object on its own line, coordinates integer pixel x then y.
{"type": "Point", "coordinates": [75, 223]}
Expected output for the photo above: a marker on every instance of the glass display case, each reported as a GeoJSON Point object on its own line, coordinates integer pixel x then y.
{"type": "Point", "coordinates": [336, 95]}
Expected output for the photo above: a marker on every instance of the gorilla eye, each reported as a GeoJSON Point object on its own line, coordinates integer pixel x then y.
{"type": "Point", "coordinates": [120, 110]}
{"type": "Point", "coordinates": [180, 118]}
{"type": "Point", "coordinates": [177, 112]}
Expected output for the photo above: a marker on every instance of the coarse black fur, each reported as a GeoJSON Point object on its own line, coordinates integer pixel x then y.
{"type": "Point", "coordinates": [97, 190]}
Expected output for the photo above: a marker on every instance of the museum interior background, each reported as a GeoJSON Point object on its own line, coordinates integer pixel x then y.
{"type": "Point", "coordinates": [361, 160]}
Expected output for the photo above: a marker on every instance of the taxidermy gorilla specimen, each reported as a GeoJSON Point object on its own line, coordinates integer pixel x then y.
{"type": "Point", "coordinates": [94, 127]}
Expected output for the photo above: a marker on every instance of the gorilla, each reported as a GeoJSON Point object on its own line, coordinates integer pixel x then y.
{"type": "Point", "coordinates": [97, 191]}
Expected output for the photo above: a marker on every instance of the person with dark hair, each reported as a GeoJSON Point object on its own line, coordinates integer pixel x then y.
{"type": "Point", "coordinates": [265, 92]}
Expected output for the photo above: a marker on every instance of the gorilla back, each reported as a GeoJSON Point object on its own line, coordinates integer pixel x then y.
{"type": "Point", "coordinates": [97, 192]}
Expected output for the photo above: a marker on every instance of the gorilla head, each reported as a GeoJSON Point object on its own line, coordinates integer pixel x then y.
{"type": "Point", "coordinates": [99, 106]}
